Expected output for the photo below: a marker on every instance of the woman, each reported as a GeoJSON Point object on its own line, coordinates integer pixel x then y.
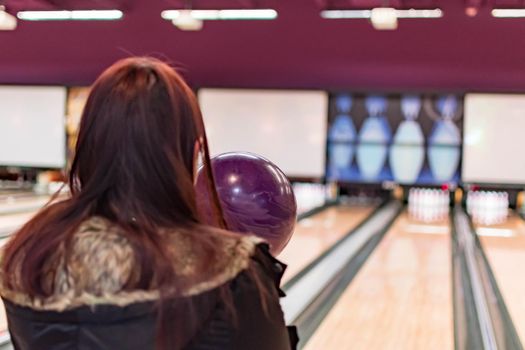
{"type": "Point", "coordinates": [126, 262]}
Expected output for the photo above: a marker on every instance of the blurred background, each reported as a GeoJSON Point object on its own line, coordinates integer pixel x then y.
{"type": "Point", "coordinates": [398, 121]}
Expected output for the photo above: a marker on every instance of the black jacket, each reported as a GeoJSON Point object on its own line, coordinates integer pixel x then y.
{"type": "Point", "coordinates": [134, 327]}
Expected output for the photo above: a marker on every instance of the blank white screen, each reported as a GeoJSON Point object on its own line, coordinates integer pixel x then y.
{"type": "Point", "coordinates": [494, 127]}
{"type": "Point", "coordinates": [287, 127]}
{"type": "Point", "coordinates": [32, 131]}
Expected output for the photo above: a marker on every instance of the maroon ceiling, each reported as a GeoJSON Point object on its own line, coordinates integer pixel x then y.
{"type": "Point", "coordinates": [298, 50]}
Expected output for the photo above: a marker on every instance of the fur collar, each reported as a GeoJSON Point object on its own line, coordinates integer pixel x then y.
{"type": "Point", "coordinates": [102, 262]}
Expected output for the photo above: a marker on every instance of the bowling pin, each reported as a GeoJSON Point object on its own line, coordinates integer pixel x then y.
{"type": "Point", "coordinates": [505, 206]}
{"type": "Point", "coordinates": [341, 137]}
{"type": "Point", "coordinates": [417, 203]}
{"type": "Point", "coordinates": [435, 209]}
{"type": "Point", "coordinates": [424, 206]}
{"type": "Point", "coordinates": [498, 210]}
{"type": "Point", "coordinates": [445, 140]}
{"type": "Point", "coordinates": [491, 209]}
{"type": "Point", "coordinates": [407, 152]}
{"type": "Point", "coordinates": [442, 207]}
{"type": "Point", "coordinates": [477, 206]}
{"type": "Point", "coordinates": [411, 203]}
{"type": "Point", "coordinates": [430, 205]}
{"type": "Point", "coordinates": [374, 136]}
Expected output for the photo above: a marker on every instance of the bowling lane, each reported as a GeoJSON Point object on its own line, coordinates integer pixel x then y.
{"type": "Point", "coordinates": [10, 223]}
{"type": "Point", "coordinates": [402, 296]}
{"type": "Point", "coordinates": [3, 318]}
{"type": "Point", "coordinates": [9, 205]}
{"type": "Point", "coordinates": [504, 246]}
{"type": "Point", "coordinates": [315, 234]}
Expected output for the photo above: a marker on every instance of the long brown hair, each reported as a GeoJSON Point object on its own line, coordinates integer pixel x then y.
{"type": "Point", "coordinates": [134, 165]}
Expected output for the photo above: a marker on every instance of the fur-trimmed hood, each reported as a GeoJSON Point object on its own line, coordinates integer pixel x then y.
{"type": "Point", "coordinates": [102, 262]}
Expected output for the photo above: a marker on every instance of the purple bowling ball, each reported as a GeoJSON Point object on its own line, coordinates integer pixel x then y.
{"type": "Point", "coordinates": [255, 195]}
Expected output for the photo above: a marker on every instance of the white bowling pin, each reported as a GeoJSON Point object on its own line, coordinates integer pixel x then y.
{"type": "Point", "coordinates": [342, 135]}
{"type": "Point", "coordinates": [411, 203]}
{"type": "Point", "coordinates": [374, 137]}
{"type": "Point", "coordinates": [407, 153]}
{"type": "Point", "coordinates": [469, 202]}
{"type": "Point", "coordinates": [445, 140]}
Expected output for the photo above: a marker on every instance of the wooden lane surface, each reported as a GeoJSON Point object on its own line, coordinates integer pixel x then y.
{"type": "Point", "coordinates": [3, 319]}
{"type": "Point", "coordinates": [400, 299]}
{"type": "Point", "coordinates": [315, 234]}
{"type": "Point", "coordinates": [8, 206]}
{"type": "Point", "coordinates": [10, 223]}
{"type": "Point", "coordinates": [506, 256]}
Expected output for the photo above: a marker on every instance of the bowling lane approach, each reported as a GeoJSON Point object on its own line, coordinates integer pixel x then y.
{"type": "Point", "coordinates": [10, 223]}
{"type": "Point", "coordinates": [315, 234]}
{"type": "Point", "coordinates": [14, 212]}
{"type": "Point", "coordinates": [504, 246]}
{"type": "Point", "coordinates": [13, 204]}
{"type": "Point", "coordinates": [402, 296]}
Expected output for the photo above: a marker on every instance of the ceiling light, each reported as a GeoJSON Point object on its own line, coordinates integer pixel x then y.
{"type": "Point", "coordinates": [471, 11]}
{"type": "Point", "coordinates": [508, 13]}
{"type": "Point", "coordinates": [384, 18]}
{"type": "Point", "coordinates": [63, 15]}
{"type": "Point", "coordinates": [424, 13]}
{"type": "Point", "coordinates": [254, 14]}
{"type": "Point", "coordinates": [185, 21]}
{"type": "Point", "coordinates": [472, 7]}
{"type": "Point", "coordinates": [347, 14]}
{"type": "Point", "coordinates": [7, 20]}
{"type": "Point", "coordinates": [367, 14]}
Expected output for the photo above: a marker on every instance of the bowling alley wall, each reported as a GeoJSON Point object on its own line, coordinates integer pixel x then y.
{"type": "Point", "coordinates": [345, 136]}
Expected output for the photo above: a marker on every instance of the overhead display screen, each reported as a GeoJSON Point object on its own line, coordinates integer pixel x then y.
{"type": "Point", "coordinates": [32, 126]}
{"type": "Point", "coordinates": [407, 139]}
{"type": "Point", "coordinates": [286, 126]}
{"type": "Point", "coordinates": [494, 125]}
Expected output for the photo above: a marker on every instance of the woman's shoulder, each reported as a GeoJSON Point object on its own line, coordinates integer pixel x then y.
{"type": "Point", "coordinates": [207, 256]}
{"type": "Point", "coordinates": [102, 264]}
{"type": "Point", "coordinates": [227, 254]}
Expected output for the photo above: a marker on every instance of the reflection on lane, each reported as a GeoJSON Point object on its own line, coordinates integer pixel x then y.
{"type": "Point", "coordinates": [504, 246]}
{"type": "Point", "coordinates": [400, 299]}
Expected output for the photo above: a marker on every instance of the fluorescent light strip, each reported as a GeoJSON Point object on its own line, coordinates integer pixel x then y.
{"type": "Point", "coordinates": [412, 13]}
{"type": "Point", "coordinates": [358, 14]}
{"type": "Point", "coordinates": [257, 14]}
{"type": "Point", "coordinates": [64, 15]}
{"type": "Point", "coordinates": [508, 13]}
{"type": "Point", "coordinates": [350, 14]}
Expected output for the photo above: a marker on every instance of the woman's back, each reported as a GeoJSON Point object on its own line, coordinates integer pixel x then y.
{"type": "Point", "coordinates": [93, 302]}
{"type": "Point", "coordinates": [126, 261]}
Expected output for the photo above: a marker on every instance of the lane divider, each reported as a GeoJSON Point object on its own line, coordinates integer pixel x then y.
{"type": "Point", "coordinates": [304, 291]}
